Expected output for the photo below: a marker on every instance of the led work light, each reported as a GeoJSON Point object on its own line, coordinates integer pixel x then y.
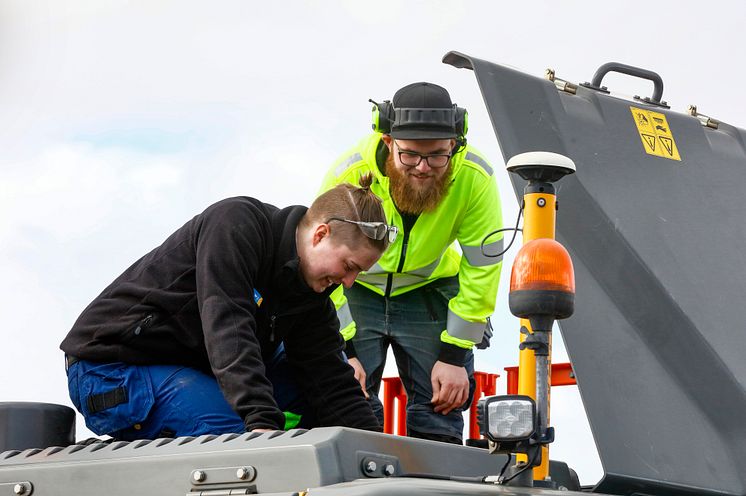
{"type": "Point", "coordinates": [509, 421]}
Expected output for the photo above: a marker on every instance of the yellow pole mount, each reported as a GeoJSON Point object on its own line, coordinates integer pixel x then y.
{"type": "Point", "coordinates": [541, 170]}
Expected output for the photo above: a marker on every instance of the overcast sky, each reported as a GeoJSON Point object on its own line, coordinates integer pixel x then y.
{"type": "Point", "coordinates": [121, 120]}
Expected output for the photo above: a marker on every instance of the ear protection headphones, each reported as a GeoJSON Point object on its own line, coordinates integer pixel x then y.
{"type": "Point", "coordinates": [383, 113]}
{"type": "Point", "coordinates": [462, 127]}
{"type": "Point", "coordinates": [384, 117]}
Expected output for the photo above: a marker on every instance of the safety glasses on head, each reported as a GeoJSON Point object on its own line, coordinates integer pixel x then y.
{"type": "Point", "coordinates": [373, 230]}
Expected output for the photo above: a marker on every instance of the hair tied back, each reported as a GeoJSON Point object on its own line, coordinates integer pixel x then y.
{"type": "Point", "coordinates": [365, 181]}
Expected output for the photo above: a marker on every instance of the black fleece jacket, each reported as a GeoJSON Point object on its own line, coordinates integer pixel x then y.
{"type": "Point", "coordinates": [191, 302]}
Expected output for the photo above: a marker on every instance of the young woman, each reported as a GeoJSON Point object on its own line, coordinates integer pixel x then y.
{"type": "Point", "coordinates": [219, 328]}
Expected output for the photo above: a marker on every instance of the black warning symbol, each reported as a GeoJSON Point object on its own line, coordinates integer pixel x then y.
{"type": "Point", "coordinates": [650, 140]}
{"type": "Point", "coordinates": [667, 144]}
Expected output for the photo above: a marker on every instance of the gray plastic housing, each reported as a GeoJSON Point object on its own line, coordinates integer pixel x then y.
{"type": "Point", "coordinates": [657, 339]}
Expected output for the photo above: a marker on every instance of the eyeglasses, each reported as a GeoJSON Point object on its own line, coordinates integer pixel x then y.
{"type": "Point", "coordinates": [413, 159]}
{"type": "Point", "coordinates": [374, 230]}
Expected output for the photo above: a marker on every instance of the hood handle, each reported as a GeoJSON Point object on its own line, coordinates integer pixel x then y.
{"type": "Point", "coordinates": [630, 71]}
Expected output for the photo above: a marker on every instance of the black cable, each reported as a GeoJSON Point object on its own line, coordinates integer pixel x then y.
{"type": "Point", "coordinates": [505, 467]}
{"type": "Point", "coordinates": [528, 466]}
{"type": "Point", "coordinates": [515, 231]}
{"type": "Point", "coordinates": [461, 478]}
{"type": "Point", "coordinates": [474, 479]}
{"type": "Point", "coordinates": [479, 479]}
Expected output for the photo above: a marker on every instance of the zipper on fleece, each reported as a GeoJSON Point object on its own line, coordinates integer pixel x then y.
{"type": "Point", "coordinates": [144, 324]}
{"type": "Point", "coordinates": [272, 328]}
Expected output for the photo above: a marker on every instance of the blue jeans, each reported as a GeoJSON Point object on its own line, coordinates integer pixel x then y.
{"type": "Point", "coordinates": [150, 401]}
{"type": "Point", "coordinates": [411, 323]}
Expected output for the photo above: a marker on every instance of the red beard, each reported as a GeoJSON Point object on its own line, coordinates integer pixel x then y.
{"type": "Point", "coordinates": [413, 198]}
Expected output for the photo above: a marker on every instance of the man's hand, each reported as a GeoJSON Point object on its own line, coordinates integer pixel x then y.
{"type": "Point", "coordinates": [359, 373]}
{"type": "Point", "coordinates": [450, 387]}
{"type": "Point", "coordinates": [262, 430]}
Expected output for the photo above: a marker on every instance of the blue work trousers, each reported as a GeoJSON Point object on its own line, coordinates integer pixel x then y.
{"type": "Point", "coordinates": [131, 402]}
{"type": "Point", "coordinates": [411, 324]}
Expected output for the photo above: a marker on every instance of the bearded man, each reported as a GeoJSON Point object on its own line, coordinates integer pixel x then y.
{"type": "Point", "coordinates": [430, 303]}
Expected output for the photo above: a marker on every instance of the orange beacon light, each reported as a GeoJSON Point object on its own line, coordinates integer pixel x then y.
{"type": "Point", "coordinates": [542, 282]}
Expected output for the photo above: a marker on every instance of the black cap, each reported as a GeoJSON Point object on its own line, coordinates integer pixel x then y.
{"type": "Point", "coordinates": [423, 111]}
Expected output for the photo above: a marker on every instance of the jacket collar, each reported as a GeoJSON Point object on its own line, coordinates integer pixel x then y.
{"type": "Point", "coordinates": [286, 268]}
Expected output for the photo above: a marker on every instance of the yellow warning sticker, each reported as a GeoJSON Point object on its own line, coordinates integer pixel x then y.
{"type": "Point", "coordinates": [655, 134]}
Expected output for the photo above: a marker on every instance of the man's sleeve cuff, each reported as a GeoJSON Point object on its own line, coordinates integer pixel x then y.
{"type": "Point", "coordinates": [452, 354]}
{"type": "Point", "coordinates": [350, 349]}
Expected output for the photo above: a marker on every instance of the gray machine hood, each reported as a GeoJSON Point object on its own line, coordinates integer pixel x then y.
{"type": "Point", "coordinates": [658, 338]}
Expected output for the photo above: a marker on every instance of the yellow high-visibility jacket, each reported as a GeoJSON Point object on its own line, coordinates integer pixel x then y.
{"type": "Point", "coordinates": [468, 213]}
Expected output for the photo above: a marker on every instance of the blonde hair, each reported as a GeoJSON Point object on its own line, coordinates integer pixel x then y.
{"type": "Point", "coordinates": [350, 202]}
